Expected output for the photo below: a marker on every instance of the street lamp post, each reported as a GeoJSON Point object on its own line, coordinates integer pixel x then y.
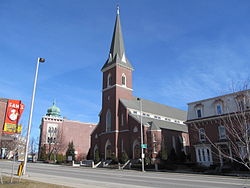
{"type": "Point", "coordinates": [142, 151]}
{"type": "Point", "coordinates": [39, 60]}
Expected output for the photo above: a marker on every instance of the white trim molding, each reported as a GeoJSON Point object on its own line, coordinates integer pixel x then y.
{"type": "Point", "coordinates": [117, 85]}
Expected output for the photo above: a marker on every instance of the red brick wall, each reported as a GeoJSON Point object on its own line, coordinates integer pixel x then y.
{"type": "Point", "coordinates": [128, 73]}
{"type": "Point", "coordinates": [3, 105]}
{"type": "Point", "coordinates": [132, 136]}
{"type": "Point", "coordinates": [75, 131]}
{"type": "Point", "coordinates": [79, 133]}
{"type": "Point", "coordinates": [111, 71]}
{"type": "Point", "coordinates": [211, 130]}
{"type": "Point", "coordinates": [168, 134]}
{"type": "Point", "coordinates": [115, 93]}
{"type": "Point", "coordinates": [154, 143]}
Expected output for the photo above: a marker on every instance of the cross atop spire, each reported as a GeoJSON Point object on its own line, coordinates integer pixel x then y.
{"type": "Point", "coordinates": [118, 10]}
{"type": "Point", "coordinates": [117, 50]}
{"type": "Point", "coordinates": [54, 102]}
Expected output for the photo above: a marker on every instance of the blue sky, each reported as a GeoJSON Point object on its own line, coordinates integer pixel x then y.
{"type": "Point", "coordinates": [182, 51]}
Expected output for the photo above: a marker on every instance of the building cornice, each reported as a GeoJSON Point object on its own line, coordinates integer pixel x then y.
{"type": "Point", "coordinates": [125, 67]}
{"type": "Point", "coordinates": [52, 118]}
{"type": "Point", "coordinates": [114, 64]}
{"type": "Point", "coordinates": [82, 123]}
{"type": "Point", "coordinates": [219, 97]}
{"type": "Point", "coordinates": [117, 85]}
{"type": "Point", "coordinates": [108, 68]}
{"type": "Point", "coordinates": [216, 117]}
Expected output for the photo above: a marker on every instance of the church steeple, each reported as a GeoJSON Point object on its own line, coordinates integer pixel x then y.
{"type": "Point", "coordinates": [117, 51]}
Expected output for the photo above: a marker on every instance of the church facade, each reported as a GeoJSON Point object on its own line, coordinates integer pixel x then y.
{"type": "Point", "coordinates": [118, 130]}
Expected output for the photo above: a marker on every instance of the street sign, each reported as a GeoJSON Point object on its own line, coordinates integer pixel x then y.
{"type": "Point", "coordinates": [70, 158]}
{"type": "Point", "coordinates": [144, 146]}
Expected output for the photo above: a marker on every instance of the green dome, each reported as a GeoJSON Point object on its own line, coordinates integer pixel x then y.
{"type": "Point", "coordinates": [53, 111]}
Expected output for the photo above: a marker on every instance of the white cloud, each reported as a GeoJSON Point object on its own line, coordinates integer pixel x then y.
{"type": "Point", "coordinates": [208, 72]}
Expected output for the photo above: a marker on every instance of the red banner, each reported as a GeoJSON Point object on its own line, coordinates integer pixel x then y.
{"type": "Point", "coordinates": [13, 114]}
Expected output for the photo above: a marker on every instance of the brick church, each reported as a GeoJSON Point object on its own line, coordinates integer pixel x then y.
{"type": "Point", "coordinates": [56, 132]}
{"type": "Point", "coordinates": [118, 130]}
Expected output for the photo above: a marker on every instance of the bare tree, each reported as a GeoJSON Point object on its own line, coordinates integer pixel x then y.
{"type": "Point", "coordinates": [237, 126]}
{"type": "Point", "coordinates": [12, 142]}
{"type": "Point", "coordinates": [33, 147]}
{"type": "Point", "coordinates": [55, 142]}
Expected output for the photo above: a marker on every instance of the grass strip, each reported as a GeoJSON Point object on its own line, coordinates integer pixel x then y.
{"type": "Point", "coordinates": [23, 183]}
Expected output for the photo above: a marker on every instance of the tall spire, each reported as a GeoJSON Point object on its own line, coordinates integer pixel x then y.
{"type": "Point", "coordinates": [117, 50]}
{"type": "Point", "coordinates": [117, 45]}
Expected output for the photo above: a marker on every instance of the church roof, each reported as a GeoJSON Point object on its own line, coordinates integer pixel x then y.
{"type": "Point", "coordinates": [117, 51]}
{"type": "Point", "coordinates": [156, 108]}
{"type": "Point", "coordinates": [156, 124]}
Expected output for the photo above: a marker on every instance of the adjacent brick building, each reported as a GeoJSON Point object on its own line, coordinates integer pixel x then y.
{"type": "Point", "coordinates": [3, 106]}
{"type": "Point", "coordinates": [56, 132]}
{"type": "Point", "coordinates": [219, 127]}
{"type": "Point", "coordinates": [118, 130]}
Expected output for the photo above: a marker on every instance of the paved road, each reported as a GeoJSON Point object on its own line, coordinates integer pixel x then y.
{"type": "Point", "coordinates": [86, 177]}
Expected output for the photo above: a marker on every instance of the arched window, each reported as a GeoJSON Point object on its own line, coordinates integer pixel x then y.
{"type": "Point", "coordinates": [222, 132]}
{"type": "Point", "coordinates": [202, 134]}
{"type": "Point", "coordinates": [122, 145]}
{"type": "Point", "coordinates": [108, 150]}
{"type": "Point", "coordinates": [108, 121]}
{"type": "Point", "coordinates": [136, 150]}
{"type": "Point", "coordinates": [123, 79]}
{"type": "Point", "coordinates": [199, 110]}
{"type": "Point", "coordinates": [219, 109]}
{"type": "Point", "coordinates": [218, 104]}
{"type": "Point", "coordinates": [109, 80]}
{"type": "Point", "coordinates": [174, 143]}
{"type": "Point", "coordinates": [122, 119]}
{"type": "Point", "coordinates": [154, 143]}
{"type": "Point", "coordinates": [96, 153]}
